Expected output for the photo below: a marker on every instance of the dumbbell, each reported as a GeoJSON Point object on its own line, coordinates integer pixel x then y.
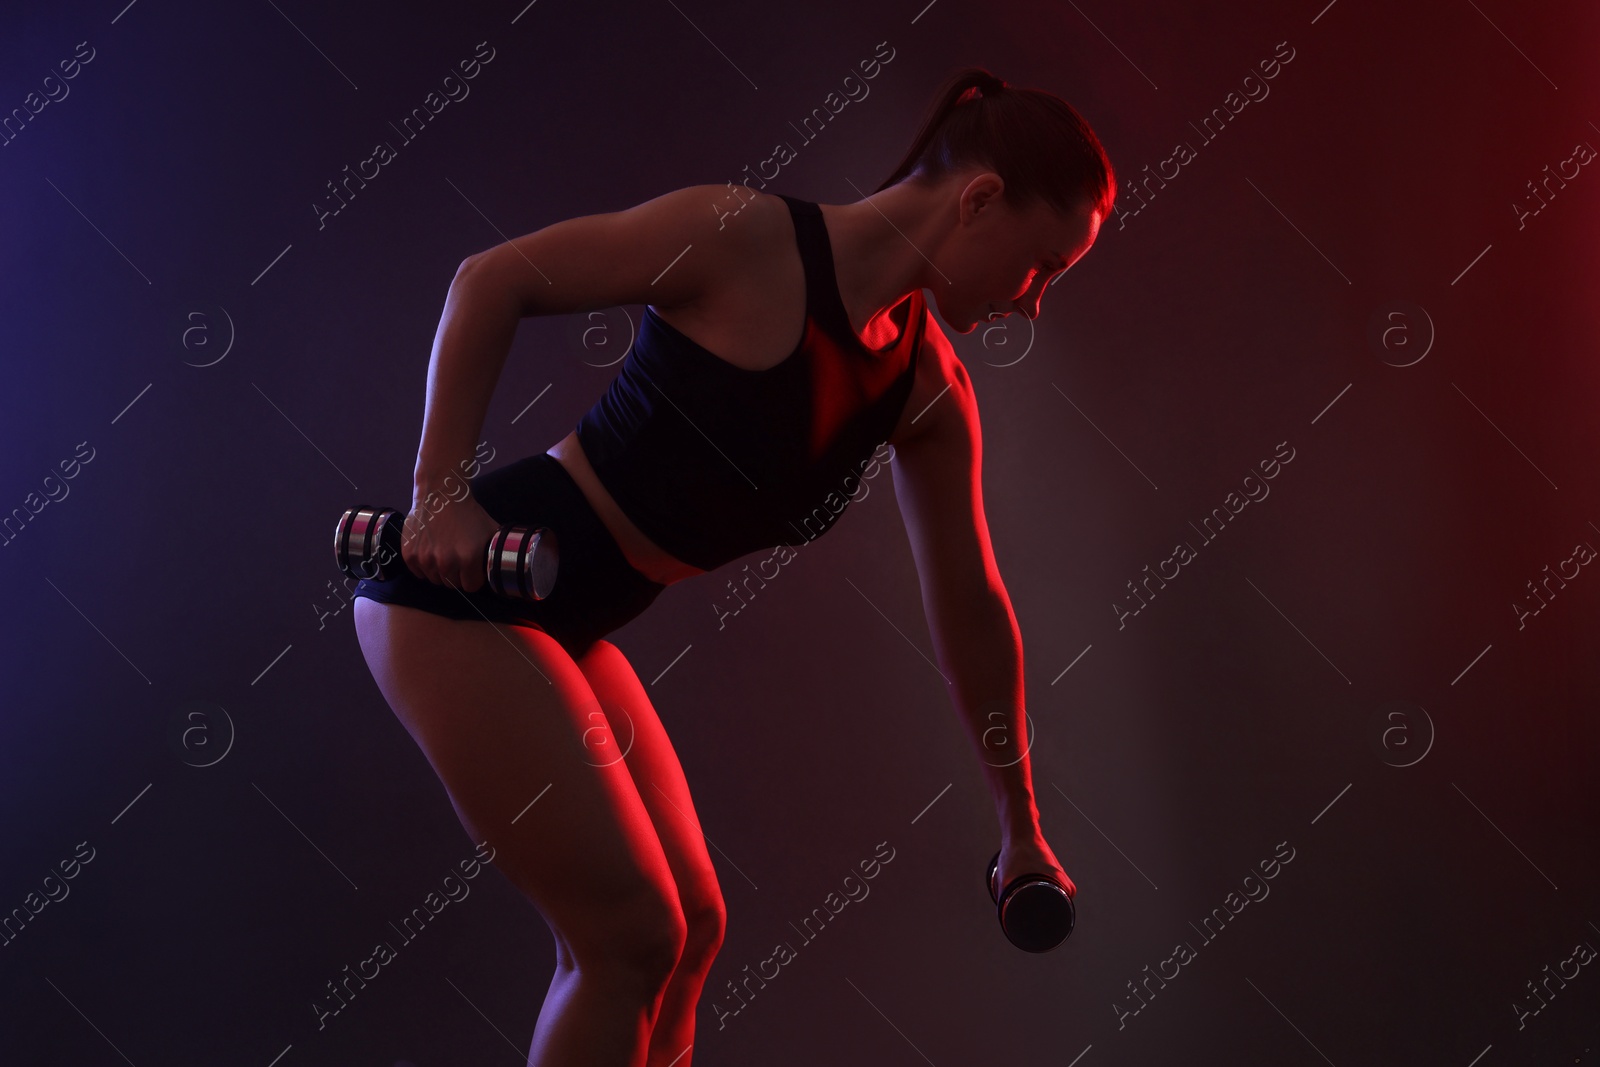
{"type": "Point", "coordinates": [1035, 911]}
{"type": "Point", "coordinates": [519, 561]}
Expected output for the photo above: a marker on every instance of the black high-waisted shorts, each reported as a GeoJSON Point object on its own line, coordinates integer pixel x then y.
{"type": "Point", "coordinates": [596, 589]}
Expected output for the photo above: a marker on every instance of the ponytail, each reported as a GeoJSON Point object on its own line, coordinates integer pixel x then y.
{"type": "Point", "coordinates": [1038, 143]}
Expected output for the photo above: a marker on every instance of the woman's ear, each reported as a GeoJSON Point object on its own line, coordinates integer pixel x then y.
{"type": "Point", "coordinates": [982, 193]}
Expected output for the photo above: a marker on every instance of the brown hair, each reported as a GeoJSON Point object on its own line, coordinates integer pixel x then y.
{"type": "Point", "coordinates": [1037, 142]}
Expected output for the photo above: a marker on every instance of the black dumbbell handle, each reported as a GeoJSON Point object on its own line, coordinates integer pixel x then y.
{"type": "Point", "coordinates": [1035, 910]}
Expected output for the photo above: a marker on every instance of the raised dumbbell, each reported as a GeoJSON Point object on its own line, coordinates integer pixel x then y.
{"type": "Point", "coordinates": [1035, 910]}
{"type": "Point", "coordinates": [519, 561]}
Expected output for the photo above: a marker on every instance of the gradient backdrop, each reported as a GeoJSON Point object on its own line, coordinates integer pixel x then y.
{"type": "Point", "coordinates": [1348, 265]}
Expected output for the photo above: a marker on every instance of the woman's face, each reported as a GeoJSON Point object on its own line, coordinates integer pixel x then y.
{"type": "Point", "coordinates": [1000, 259]}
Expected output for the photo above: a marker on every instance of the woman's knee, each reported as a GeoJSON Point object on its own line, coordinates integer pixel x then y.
{"type": "Point", "coordinates": [706, 918]}
{"type": "Point", "coordinates": [638, 943]}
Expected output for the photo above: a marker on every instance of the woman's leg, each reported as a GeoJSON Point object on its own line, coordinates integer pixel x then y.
{"type": "Point", "coordinates": [661, 785]}
{"type": "Point", "coordinates": [501, 712]}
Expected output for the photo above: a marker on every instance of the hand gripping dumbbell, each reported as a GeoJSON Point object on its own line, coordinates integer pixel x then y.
{"type": "Point", "coordinates": [1035, 910]}
{"type": "Point", "coordinates": [519, 561]}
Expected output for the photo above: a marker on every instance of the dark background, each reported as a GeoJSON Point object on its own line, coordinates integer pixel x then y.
{"type": "Point", "coordinates": [1443, 855]}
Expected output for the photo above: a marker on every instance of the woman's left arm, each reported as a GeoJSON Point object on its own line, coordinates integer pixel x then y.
{"type": "Point", "coordinates": [938, 482]}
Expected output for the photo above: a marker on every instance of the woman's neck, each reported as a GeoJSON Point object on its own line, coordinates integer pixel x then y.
{"type": "Point", "coordinates": [883, 248]}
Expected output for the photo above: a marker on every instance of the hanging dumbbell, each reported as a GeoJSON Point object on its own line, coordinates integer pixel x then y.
{"type": "Point", "coordinates": [1035, 910]}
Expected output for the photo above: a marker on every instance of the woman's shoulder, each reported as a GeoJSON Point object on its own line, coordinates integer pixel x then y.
{"type": "Point", "coordinates": [757, 224]}
{"type": "Point", "coordinates": [738, 230]}
{"type": "Point", "coordinates": [941, 399]}
{"type": "Point", "coordinates": [736, 217]}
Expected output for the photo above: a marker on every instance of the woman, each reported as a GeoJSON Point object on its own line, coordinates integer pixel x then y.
{"type": "Point", "coordinates": [720, 435]}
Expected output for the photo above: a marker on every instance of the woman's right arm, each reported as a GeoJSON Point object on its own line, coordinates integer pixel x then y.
{"type": "Point", "coordinates": [469, 350]}
{"type": "Point", "coordinates": [668, 251]}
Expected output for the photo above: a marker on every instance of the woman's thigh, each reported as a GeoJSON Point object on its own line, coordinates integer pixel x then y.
{"type": "Point", "coordinates": [640, 741]}
{"type": "Point", "coordinates": [504, 716]}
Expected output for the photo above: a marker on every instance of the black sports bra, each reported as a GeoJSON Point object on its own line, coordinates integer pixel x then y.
{"type": "Point", "coordinates": [713, 461]}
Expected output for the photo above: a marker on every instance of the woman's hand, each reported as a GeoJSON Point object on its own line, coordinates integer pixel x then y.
{"type": "Point", "coordinates": [1030, 855]}
{"type": "Point", "coordinates": [447, 547]}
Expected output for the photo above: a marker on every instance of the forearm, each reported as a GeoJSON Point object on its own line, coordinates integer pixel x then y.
{"type": "Point", "coordinates": [980, 652]}
{"type": "Point", "coordinates": [469, 350]}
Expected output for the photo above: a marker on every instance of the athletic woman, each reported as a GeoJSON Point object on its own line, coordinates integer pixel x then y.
{"type": "Point", "coordinates": [783, 342]}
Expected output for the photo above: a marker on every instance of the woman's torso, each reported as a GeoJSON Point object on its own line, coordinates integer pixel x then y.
{"type": "Point", "coordinates": [752, 318]}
